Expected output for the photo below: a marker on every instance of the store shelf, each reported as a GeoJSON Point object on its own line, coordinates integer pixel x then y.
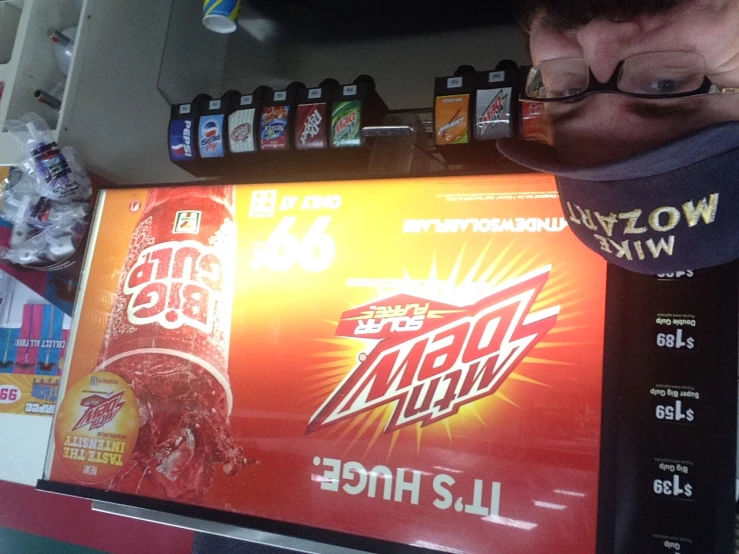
{"type": "Point", "coordinates": [32, 65]}
{"type": "Point", "coordinates": [113, 110]}
{"type": "Point", "coordinates": [117, 115]}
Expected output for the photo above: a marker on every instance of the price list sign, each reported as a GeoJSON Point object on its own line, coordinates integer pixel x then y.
{"type": "Point", "coordinates": [671, 365]}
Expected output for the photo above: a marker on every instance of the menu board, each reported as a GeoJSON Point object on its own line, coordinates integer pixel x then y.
{"type": "Point", "coordinates": [411, 360]}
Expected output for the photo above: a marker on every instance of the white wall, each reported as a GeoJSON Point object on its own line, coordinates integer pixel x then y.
{"type": "Point", "coordinates": [403, 68]}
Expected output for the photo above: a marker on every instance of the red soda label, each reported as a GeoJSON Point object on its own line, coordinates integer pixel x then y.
{"type": "Point", "coordinates": [175, 290]}
{"type": "Point", "coordinates": [168, 338]}
{"type": "Point", "coordinates": [310, 128]}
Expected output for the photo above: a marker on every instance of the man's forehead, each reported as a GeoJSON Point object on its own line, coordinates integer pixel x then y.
{"type": "Point", "coordinates": [571, 14]}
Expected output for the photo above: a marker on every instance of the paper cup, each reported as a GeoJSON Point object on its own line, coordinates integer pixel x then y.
{"type": "Point", "coordinates": [220, 15]}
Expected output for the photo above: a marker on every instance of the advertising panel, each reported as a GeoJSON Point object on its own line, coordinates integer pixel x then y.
{"type": "Point", "coordinates": [411, 360]}
{"type": "Point", "coordinates": [33, 340]}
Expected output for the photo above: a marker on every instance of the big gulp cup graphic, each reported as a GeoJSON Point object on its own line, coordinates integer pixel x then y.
{"type": "Point", "coordinates": [168, 336]}
{"type": "Point", "coordinates": [96, 428]}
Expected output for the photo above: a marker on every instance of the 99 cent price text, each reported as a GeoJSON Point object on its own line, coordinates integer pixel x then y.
{"type": "Point", "coordinates": [297, 241]}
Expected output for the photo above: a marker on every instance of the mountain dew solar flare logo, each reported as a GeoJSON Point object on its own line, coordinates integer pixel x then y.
{"type": "Point", "coordinates": [431, 358]}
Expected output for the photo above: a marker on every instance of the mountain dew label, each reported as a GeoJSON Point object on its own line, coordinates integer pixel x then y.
{"type": "Point", "coordinates": [346, 124]}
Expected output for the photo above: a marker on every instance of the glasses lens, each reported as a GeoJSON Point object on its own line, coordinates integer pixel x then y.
{"type": "Point", "coordinates": [662, 73]}
{"type": "Point", "coordinates": [558, 79]}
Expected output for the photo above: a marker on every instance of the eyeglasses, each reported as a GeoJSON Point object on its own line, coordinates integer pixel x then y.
{"type": "Point", "coordinates": [649, 75]}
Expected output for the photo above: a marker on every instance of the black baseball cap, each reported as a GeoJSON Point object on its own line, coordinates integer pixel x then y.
{"type": "Point", "coordinates": [671, 208]}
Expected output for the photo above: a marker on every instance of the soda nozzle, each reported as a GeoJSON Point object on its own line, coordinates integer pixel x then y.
{"type": "Point", "coordinates": [506, 64]}
{"type": "Point", "coordinates": [329, 82]}
{"type": "Point", "coordinates": [464, 70]}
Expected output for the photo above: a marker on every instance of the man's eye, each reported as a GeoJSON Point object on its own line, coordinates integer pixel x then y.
{"type": "Point", "coordinates": [665, 86]}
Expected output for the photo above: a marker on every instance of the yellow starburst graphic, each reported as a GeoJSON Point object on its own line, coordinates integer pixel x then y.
{"type": "Point", "coordinates": [467, 281]}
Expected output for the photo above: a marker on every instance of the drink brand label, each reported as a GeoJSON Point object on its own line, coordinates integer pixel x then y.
{"type": "Point", "coordinates": [493, 114]}
{"type": "Point", "coordinates": [246, 100]}
{"type": "Point", "coordinates": [180, 140]}
{"type": "Point", "coordinates": [451, 119]}
{"type": "Point", "coordinates": [187, 222]}
{"type": "Point", "coordinates": [310, 127]}
{"type": "Point", "coordinates": [532, 122]}
{"type": "Point", "coordinates": [174, 284]}
{"type": "Point", "coordinates": [280, 96]}
{"type": "Point", "coordinates": [314, 93]}
{"type": "Point", "coordinates": [99, 410]}
{"type": "Point", "coordinates": [346, 124]}
{"type": "Point", "coordinates": [430, 358]}
{"type": "Point", "coordinates": [184, 109]}
{"type": "Point", "coordinates": [210, 136]}
{"type": "Point", "coordinates": [97, 427]}
{"type": "Point", "coordinates": [274, 132]}
{"type": "Point", "coordinates": [241, 131]}
{"type": "Point", "coordinates": [214, 105]}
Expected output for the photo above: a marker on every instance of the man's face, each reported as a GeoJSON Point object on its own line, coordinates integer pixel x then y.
{"type": "Point", "coordinates": [603, 127]}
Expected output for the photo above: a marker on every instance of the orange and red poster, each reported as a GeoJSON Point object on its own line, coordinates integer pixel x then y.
{"type": "Point", "coordinates": [415, 360]}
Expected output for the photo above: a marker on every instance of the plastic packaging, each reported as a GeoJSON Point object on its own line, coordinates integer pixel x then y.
{"type": "Point", "coordinates": [47, 198]}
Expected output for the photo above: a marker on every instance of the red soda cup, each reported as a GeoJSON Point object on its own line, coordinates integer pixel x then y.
{"type": "Point", "coordinates": [168, 335]}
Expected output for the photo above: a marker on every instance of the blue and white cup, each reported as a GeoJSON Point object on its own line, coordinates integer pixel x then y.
{"type": "Point", "coordinates": [220, 15]}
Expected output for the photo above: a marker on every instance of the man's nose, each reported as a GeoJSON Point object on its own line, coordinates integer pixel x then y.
{"type": "Point", "coordinates": [603, 44]}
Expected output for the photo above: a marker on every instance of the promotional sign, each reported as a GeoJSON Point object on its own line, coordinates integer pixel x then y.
{"type": "Point", "coordinates": [412, 360]}
{"type": "Point", "coordinates": [493, 114]}
{"type": "Point", "coordinates": [346, 120]}
{"type": "Point", "coordinates": [450, 116]}
{"type": "Point", "coordinates": [210, 136]}
{"type": "Point", "coordinates": [33, 341]}
{"type": "Point", "coordinates": [274, 129]}
{"type": "Point", "coordinates": [310, 129]}
{"type": "Point", "coordinates": [672, 468]}
{"type": "Point", "coordinates": [241, 131]}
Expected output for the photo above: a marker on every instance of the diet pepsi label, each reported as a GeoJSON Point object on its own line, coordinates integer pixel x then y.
{"type": "Point", "coordinates": [210, 135]}
{"type": "Point", "coordinates": [180, 140]}
{"type": "Point", "coordinates": [241, 131]}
